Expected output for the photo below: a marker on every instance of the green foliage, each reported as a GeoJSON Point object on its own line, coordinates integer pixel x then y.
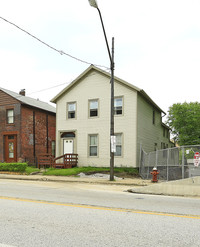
{"type": "Point", "coordinates": [184, 120]}
{"type": "Point", "coordinates": [13, 167]}
{"type": "Point", "coordinates": [88, 170]}
{"type": "Point", "coordinates": [30, 169]}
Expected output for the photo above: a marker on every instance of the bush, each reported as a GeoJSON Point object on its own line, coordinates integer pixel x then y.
{"type": "Point", "coordinates": [13, 167]}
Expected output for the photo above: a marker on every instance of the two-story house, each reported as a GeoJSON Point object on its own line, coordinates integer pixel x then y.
{"type": "Point", "coordinates": [83, 120]}
{"type": "Point", "coordinates": [27, 127]}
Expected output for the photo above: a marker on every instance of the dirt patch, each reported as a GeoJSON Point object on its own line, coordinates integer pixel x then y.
{"type": "Point", "coordinates": [117, 174]}
{"type": "Point", "coordinates": [12, 173]}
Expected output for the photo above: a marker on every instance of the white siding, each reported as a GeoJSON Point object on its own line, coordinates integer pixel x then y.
{"type": "Point", "coordinates": [97, 86]}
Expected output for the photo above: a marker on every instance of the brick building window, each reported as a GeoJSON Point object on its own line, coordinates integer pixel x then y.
{"type": "Point", "coordinates": [10, 116]}
{"type": "Point", "coordinates": [53, 148]}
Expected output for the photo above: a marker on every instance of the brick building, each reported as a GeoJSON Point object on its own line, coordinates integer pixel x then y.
{"type": "Point", "coordinates": [27, 127]}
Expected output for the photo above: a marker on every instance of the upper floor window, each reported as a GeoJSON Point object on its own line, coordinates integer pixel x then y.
{"type": "Point", "coordinates": [71, 110]}
{"type": "Point", "coordinates": [118, 105]}
{"type": "Point", "coordinates": [93, 108]}
{"type": "Point", "coordinates": [154, 116]}
{"type": "Point", "coordinates": [10, 116]}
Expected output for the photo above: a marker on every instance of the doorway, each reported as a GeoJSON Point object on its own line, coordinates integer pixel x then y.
{"type": "Point", "coordinates": [68, 147]}
{"type": "Point", "coordinates": [10, 148]}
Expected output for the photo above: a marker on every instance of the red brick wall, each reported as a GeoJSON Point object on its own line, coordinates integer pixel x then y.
{"type": "Point", "coordinates": [23, 128]}
{"type": "Point", "coordinates": [34, 133]}
{"type": "Point", "coordinates": [9, 128]}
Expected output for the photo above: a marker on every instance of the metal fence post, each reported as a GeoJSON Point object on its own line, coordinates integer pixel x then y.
{"type": "Point", "coordinates": [148, 166]}
{"type": "Point", "coordinates": [183, 152]}
{"type": "Point", "coordinates": [156, 157]}
{"type": "Point", "coordinates": [140, 163]}
{"type": "Point", "coordinates": [167, 164]}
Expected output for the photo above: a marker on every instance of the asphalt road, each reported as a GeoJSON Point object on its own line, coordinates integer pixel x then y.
{"type": "Point", "coordinates": [65, 214]}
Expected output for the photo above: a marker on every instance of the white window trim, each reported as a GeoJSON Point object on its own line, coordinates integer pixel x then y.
{"type": "Point", "coordinates": [89, 135]}
{"type": "Point", "coordinates": [68, 103]}
{"type": "Point", "coordinates": [10, 116]}
{"type": "Point", "coordinates": [119, 97]}
{"type": "Point", "coordinates": [98, 112]}
{"type": "Point", "coordinates": [122, 145]}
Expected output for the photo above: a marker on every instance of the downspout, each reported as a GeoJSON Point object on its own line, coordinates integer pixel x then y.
{"type": "Point", "coordinates": [47, 128]}
{"type": "Point", "coordinates": [34, 136]}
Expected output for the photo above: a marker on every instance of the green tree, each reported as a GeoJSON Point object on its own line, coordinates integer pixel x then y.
{"type": "Point", "coordinates": [184, 120]}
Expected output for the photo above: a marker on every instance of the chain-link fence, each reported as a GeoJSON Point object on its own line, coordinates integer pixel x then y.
{"type": "Point", "coordinates": [172, 164]}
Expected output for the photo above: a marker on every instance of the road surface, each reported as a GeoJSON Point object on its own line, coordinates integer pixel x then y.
{"type": "Point", "coordinates": [73, 214]}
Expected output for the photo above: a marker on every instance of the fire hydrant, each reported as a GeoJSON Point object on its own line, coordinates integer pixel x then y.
{"type": "Point", "coordinates": [154, 175]}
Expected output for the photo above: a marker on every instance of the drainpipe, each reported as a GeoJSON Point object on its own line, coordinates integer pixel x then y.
{"type": "Point", "coordinates": [34, 135]}
{"type": "Point", "coordinates": [47, 128]}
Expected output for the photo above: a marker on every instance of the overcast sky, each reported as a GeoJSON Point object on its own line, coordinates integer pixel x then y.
{"type": "Point", "coordinates": [157, 45]}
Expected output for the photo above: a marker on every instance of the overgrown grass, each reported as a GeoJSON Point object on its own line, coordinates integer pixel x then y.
{"type": "Point", "coordinates": [23, 168]}
{"type": "Point", "coordinates": [30, 169]}
{"type": "Point", "coordinates": [89, 170]}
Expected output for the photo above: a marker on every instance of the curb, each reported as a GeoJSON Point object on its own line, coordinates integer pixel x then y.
{"type": "Point", "coordinates": [122, 182]}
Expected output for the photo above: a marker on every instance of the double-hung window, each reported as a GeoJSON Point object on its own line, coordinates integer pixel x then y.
{"type": "Point", "coordinates": [93, 108]}
{"type": "Point", "coordinates": [163, 131]}
{"type": "Point", "coordinates": [10, 116]}
{"type": "Point", "coordinates": [93, 145]}
{"type": "Point", "coordinates": [154, 116]}
{"type": "Point", "coordinates": [71, 110]}
{"type": "Point", "coordinates": [118, 106]}
{"type": "Point", "coordinates": [118, 145]}
{"type": "Point", "coordinates": [53, 148]}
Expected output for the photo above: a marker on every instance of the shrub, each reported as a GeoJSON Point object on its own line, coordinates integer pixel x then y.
{"type": "Point", "coordinates": [13, 167]}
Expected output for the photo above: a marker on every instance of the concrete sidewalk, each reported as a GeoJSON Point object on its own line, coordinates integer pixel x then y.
{"type": "Point", "coordinates": [183, 187]}
{"type": "Point", "coordinates": [92, 180]}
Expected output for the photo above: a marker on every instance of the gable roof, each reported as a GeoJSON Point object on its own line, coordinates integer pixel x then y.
{"type": "Point", "coordinates": [30, 101]}
{"type": "Point", "coordinates": [125, 83]}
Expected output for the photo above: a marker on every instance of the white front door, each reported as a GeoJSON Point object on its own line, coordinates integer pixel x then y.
{"type": "Point", "coordinates": [68, 147]}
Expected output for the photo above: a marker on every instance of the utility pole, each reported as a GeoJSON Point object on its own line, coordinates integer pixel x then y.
{"type": "Point", "coordinates": [94, 4]}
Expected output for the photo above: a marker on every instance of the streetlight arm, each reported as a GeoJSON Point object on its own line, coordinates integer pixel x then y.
{"type": "Point", "coordinates": [105, 37]}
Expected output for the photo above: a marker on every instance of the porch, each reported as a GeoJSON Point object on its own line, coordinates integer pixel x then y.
{"type": "Point", "coordinates": [61, 162]}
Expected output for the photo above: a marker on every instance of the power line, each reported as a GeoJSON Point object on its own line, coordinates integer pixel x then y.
{"type": "Point", "coordinates": [42, 90]}
{"type": "Point", "coordinates": [51, 47]}
{"type": "Point", "coordinates": [45, 89]}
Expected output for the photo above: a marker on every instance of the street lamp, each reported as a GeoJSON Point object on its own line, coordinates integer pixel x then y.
{"type": "Point", "coordinates": [94, 4]}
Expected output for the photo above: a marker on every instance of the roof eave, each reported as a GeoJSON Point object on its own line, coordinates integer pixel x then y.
{"type": "Point", "coordinates": [151, 101]}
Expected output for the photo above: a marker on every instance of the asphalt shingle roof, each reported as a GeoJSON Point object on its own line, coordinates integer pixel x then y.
{"type": "Point", "coordinates": [30, 101]}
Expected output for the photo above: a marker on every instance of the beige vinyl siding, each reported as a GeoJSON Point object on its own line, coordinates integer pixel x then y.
{"type": "Point", "coordinates": [97, 86]}
{"type": "Point", "coordinates": [135, 124]}
{"type": "Point", "coordinates": [91, 87]}
{"type": "Point", "coordinates": [149, 134]}
{"type": "Point", "coordinates": [126, 124]}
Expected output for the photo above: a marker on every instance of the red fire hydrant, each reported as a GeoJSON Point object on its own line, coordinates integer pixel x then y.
{"type": "Point", "coordinates": [154, 175]}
